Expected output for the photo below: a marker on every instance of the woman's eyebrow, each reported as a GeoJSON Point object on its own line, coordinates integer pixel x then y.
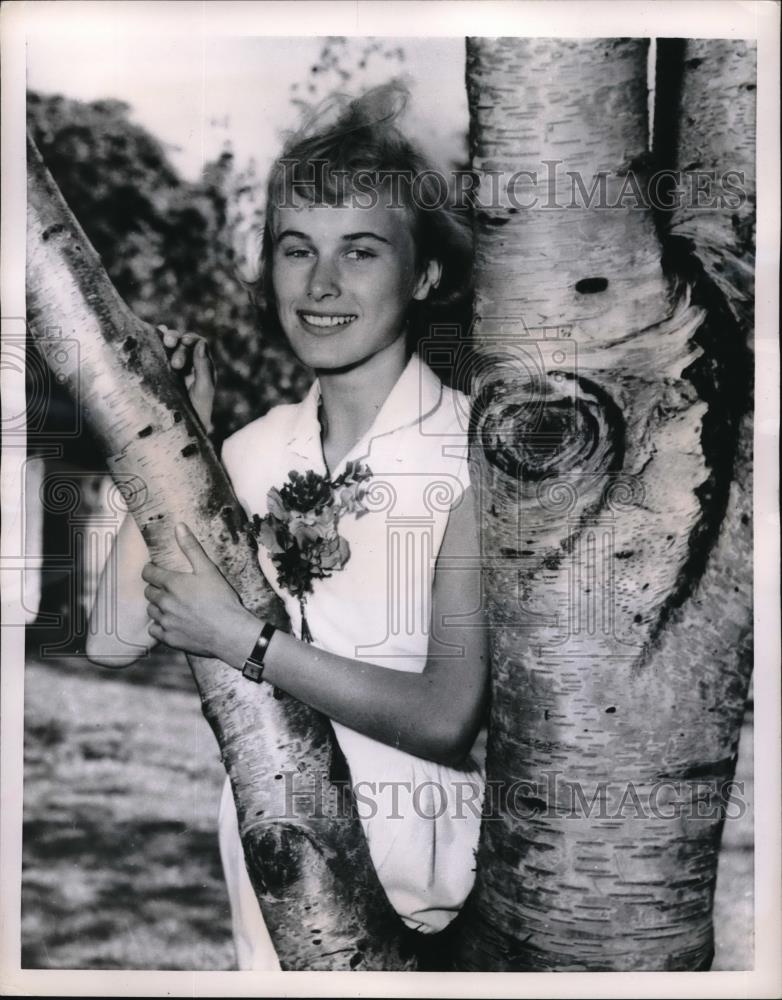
{"type": "Point", "coordinates": [294, 233]}
{"type": "Point", "coordinates": [365, 236]}
{"type": "Point", "coordinates": [348, 237]}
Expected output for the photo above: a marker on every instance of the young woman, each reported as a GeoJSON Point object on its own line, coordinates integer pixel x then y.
{"type": "Point", "coordinates": [388, 641]}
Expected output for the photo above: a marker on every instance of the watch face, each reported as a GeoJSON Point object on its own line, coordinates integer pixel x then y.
{"type": "Point", "coordinates": [253, 671]}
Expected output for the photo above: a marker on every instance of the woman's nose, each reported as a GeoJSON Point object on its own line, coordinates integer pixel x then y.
{"type": "Point", "coordinates": [323, 281]}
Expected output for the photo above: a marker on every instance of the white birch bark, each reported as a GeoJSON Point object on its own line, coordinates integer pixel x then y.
{"type": "Point", "coordinates": [591, 458]}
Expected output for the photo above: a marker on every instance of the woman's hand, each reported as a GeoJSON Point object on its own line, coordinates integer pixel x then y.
{"type": "Point", "coordinates": [198, 612]}
{"type": "Point", "coordinates": [189, 355]}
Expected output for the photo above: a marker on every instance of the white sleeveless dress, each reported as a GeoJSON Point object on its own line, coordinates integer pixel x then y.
{"type": "Point", "coordinates": [376, 609]}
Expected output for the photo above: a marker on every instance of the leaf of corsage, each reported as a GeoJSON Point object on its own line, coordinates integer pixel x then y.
{"type": "Point", "coordinates": [275, 505]}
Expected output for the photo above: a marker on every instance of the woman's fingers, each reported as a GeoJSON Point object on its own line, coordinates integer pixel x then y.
{"type": "Point", "coordinates": [153, 594]}
{"type": "Point", "coordinates": [181, 346]}
{"type": "Point", "coordinates": [179, 357]}
{"type": "Point", "coordinates": [182, 355]}
{"type": "Point", "coordinates": [170, 337]}
{"type": "Point", "coordinates": [189, 355]}
{"type": "Point", "coordinates": [155, 575]}
{"type": "Point", "coordinates": [171, 341]}
{"type": "Point", "coordinates": [184, 349]}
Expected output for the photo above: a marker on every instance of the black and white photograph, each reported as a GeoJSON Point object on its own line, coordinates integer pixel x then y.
{"type": "Point", "coordinates": [390, 484]}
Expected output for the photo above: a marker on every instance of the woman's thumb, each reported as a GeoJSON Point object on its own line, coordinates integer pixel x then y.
{"type": "Point", "coordinates": [202, 387]}
{"type": "Point", "coordinates": [202, 367]}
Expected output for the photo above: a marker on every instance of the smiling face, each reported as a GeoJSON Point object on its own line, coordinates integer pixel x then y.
{"type": "Point", "coordinates": [343, 278]}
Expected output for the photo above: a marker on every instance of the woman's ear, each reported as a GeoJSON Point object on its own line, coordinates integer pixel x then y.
{"type": "Point", "coordinates": [428, 279]}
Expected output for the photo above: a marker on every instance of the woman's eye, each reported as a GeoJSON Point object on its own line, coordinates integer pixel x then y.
{"type": "Point", "coordinates": [297, 252]}
{"type": "Point", "coordinates": [357, 254]}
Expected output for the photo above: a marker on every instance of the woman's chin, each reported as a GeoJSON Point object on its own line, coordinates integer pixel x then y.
{"type": "Point", "coordinates": [320, 355]}
{"type": "Point", "coordinates": [337, 354]}
{"type": "Point", "coordinates": [328, 354]}
{"type": "Point", "coordinates": [331, 365]}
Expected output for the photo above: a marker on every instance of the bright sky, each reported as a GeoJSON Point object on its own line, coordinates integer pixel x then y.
{"type": "Point", "coordinates": [195, 89]}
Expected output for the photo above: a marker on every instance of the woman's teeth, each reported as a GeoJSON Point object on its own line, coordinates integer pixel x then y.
{"type": "Point", "coordinates": [315, 320]}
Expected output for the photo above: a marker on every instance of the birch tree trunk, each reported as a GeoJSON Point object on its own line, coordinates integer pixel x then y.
{"type": "Point", "coordinates": [307, 857]}
{"type": "Point", "coordinates": [618, 588]}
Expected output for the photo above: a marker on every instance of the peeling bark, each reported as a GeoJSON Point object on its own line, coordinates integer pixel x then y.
{"type": "Point", "coordinates": [609, 723]}
{"type": "Point", "coordinates": [713, 128]}
{"type": "Point", "coordinates": [311, 870]}
{"type": "Point", "coordinates": [711, 122]}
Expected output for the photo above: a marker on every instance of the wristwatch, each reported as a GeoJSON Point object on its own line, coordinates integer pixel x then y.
{"type": "Point", "coordinates": [253, 665]}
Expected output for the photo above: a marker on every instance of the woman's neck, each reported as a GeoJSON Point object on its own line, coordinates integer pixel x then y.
{"type": "Point", "coordinates": [352, 398]}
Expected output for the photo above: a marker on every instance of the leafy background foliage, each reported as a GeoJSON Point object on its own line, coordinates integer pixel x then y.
{"type": "Point", "coordinates": [166, 243]}
{"type": "Point", "coordinates": [179, 252]}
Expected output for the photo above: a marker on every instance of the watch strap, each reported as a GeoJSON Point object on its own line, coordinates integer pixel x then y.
{"type": "Point", "coordinates": [253, 665]}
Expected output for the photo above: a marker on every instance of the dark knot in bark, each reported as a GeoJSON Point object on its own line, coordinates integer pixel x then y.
{"type": "Point", "coordinates": [533, 428]}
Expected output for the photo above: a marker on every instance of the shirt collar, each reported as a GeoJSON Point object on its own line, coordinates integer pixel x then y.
{"type": "Point", "coordinates": [416, 394]}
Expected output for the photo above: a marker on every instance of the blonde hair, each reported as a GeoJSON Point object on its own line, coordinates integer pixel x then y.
{"type": "Point", "coordinates": [345, 142]}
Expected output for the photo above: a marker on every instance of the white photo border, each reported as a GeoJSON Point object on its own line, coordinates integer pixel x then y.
{"type": "Point", "coordinates": [566, 18]}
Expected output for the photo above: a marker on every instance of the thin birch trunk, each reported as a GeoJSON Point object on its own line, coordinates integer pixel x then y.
{"type": "Point", "coordinates": [310, 867]}
{"type": "Point", "coordinates": [617, 628]}
{"type": "Point", "coordinates": [712, 128]}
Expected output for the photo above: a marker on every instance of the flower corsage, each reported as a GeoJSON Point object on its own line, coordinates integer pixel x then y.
{"type": "Point", "coordinates": [300, 529]}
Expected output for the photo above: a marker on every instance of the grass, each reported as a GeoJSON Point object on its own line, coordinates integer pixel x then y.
{"type": "Point", "coordinates": [121, 868]}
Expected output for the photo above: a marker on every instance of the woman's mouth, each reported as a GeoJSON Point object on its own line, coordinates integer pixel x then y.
{"type": "Point", "coordinates": [325, 321]}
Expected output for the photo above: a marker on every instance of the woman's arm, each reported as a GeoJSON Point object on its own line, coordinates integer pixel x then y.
{"type": "Point", "coordinates": [435, 714]}
{"type": "Point", "coordinates": [117, 633]}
